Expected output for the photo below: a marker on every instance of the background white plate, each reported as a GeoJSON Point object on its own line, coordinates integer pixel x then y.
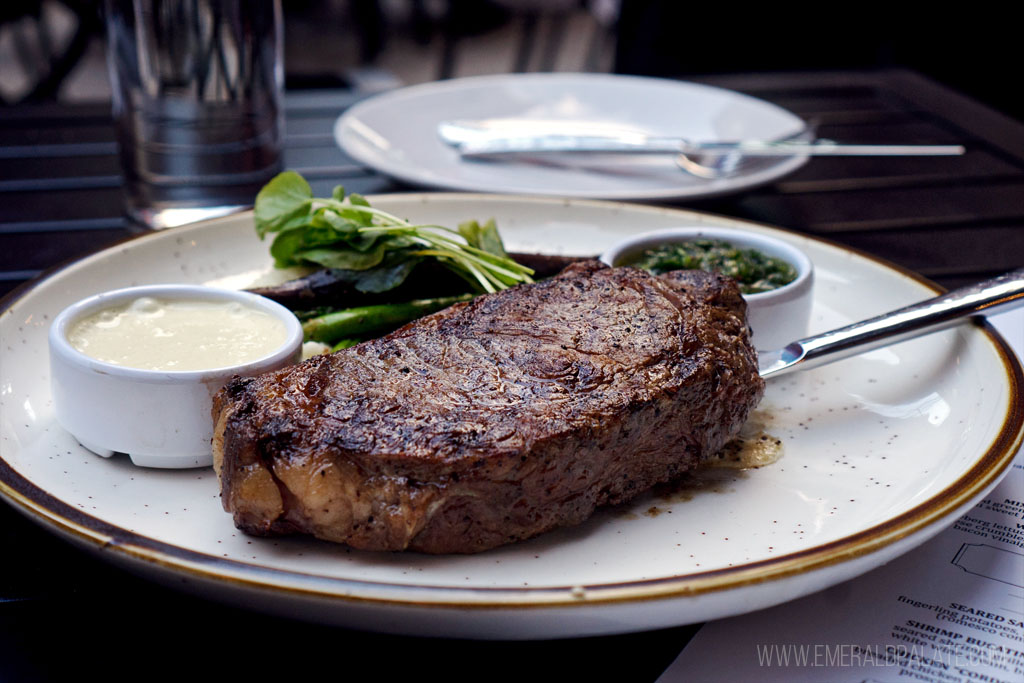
{"type": "Point", "coordinates": [881, 452]}
{"type": "Point", "coordinates": [396, 134]}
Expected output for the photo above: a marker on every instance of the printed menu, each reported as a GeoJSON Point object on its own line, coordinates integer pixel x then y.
{"type": "Point", "coordinates": [950, 611]}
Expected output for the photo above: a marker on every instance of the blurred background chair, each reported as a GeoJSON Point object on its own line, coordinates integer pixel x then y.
{"type": "Point", "coordinates": [41, 43]}
{"type": "Point", "coordinates": [53, 48]}
{"type": "Point", "coordinates": [372, 42]}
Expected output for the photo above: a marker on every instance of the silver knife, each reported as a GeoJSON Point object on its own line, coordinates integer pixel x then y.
{"type": "Point", "coordinates": [497, 137]}
{"type": "Point", "coordinates": [1001, 293]}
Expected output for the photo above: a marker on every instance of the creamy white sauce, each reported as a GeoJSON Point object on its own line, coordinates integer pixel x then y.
{"type": "Point", "coordinates": [178, 334]}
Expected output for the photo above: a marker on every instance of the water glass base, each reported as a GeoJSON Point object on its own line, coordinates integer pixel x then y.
{"type": "Point", "coordinates": [160, 219]}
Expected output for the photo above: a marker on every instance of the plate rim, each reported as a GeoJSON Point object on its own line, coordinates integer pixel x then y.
{"type": "Point", "coordinates": [714, 188]}
{"type": "Point", "coordinates": [988, 468]}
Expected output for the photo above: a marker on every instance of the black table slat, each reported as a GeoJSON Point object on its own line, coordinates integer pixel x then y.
{"type": "Point", "coordinates": [907, 131]}
{"type": "Point", "coordinates": [74, 167]}
{"type": "Point", "coordinates": [365, 185]}
{"type": "Point", "coordinates": [67, 205]}
{"type": "Point", "coordinates": [949, 251]}
{"type": "Point", "coordinates": [913, 208]}
{"type": "Point", "coordinates": [317, 123]}
{"type": "Point", "coordinates": [18, 174]}
{"type": "Point", "coordinates": [58, 184]}
{"type": "Point", "coordinates": [825, 100]}
{"type": "Point", "coordinates": [319, 103]}
{"type": "Point", "coordinates": [322, 155]}
{"type": "Point", "coordinates": [55, 114]}
{"type": "Point", "coordinates": [858, 173]}
{"type": "Point", "coordinates": [33, 134]}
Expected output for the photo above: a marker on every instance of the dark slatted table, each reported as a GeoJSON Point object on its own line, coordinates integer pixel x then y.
{"type": "Point", "coordinates": [954, 220]}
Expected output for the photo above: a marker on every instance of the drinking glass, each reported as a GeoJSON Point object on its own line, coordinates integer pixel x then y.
{"type": "Point", "coordinates": [197, 103]}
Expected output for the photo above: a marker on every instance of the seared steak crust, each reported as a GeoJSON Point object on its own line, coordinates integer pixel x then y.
{"type": "Point", "coordinates": [494, 420]}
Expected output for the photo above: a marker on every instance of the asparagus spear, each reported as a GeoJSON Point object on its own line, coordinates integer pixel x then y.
{"type": "Point", "coordinates": [370, 320]}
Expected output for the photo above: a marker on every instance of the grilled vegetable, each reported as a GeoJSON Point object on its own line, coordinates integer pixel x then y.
{"type": "Point", "coordinates": [354, 323]}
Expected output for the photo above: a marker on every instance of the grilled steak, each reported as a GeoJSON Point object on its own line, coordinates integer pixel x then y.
{"type": "Point", "coordinates": [494, 420]}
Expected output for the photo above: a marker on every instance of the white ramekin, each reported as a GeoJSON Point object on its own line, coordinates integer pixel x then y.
{"type": "Point", "coordinates": [777, 317]}
{"type": "Point", "coordinates": [159, 418]}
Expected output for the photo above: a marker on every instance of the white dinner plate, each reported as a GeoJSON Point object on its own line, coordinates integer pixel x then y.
{"type": "Point", "coordinates": [396, 134]}
{"type": "Point", "coordinates": [881, 452]}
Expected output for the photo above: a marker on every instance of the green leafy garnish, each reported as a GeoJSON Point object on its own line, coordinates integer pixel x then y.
{"type": "Point", "coordinates": [286, 197]}
{"type": "Point", "coordinates": [374, 249]}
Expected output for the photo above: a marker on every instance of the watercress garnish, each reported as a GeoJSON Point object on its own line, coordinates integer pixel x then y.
{"type": "Point", "coordinates": [371, 248]}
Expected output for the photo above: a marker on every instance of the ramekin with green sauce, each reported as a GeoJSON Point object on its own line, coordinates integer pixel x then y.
{"type": "Point", "coordinates": [775, 276]}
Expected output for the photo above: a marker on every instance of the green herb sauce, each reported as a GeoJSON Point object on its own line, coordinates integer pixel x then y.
{"type": "Point", "coordinates": [753, 270]}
